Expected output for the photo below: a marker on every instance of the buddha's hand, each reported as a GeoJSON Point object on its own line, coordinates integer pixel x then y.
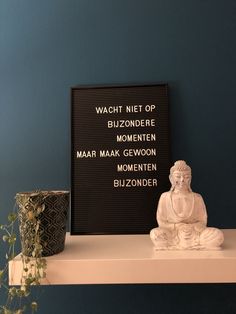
{"type": "Point", "coordinates": [185, 230]}
{"type": "Point", "coordinates": [183, 227]}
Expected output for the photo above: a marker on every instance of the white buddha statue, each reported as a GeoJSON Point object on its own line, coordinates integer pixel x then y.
{"type": "Point", "coordinates": [182, 216]}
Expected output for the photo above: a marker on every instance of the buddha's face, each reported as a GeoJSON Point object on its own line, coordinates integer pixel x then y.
{"type": "Point", "coordinates": [181, 180]}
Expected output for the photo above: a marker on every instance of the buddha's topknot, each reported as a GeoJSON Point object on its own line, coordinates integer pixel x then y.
{"type": "Point", "coordinates": [180, 165]}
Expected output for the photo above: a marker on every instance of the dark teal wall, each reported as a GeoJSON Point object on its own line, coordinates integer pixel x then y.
{"type": "Point", "coordinates": [48, 46]}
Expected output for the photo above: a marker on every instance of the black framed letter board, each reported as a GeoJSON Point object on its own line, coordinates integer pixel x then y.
{"type": "Point", "coordinates": [120, 158]}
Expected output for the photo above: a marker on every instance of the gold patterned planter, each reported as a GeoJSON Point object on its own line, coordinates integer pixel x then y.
{"type": "Point", "coordinates": [42, 221]}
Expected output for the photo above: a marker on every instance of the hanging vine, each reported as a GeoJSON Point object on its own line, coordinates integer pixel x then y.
{"type": "Point", "coordinates": [19, 298]}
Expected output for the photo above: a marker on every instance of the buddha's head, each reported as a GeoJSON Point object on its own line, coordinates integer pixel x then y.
{"type": "Point", "coordinates": [180, 176]}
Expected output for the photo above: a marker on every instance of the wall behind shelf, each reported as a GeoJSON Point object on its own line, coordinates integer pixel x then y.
{"type": "Point", "coordinates": [48, 46]}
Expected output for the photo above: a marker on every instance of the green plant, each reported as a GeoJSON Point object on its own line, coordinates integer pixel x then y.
{"type": "Point", "coordinates": [19, 298]}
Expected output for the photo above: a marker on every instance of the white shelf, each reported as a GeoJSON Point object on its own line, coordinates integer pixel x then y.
{"type": "Point", "coordinates": [109, 259]}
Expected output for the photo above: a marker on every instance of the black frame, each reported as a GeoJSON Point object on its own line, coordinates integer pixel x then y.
{"type": "Point", "coordinates": [100, 207]}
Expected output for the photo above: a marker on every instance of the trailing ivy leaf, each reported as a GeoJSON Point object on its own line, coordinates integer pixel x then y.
{"type": "Point", "coordinates": [34, 306]}
{"type": "Point", "coordinates": [13, 291]}
{"type": "Point", "coordinates": [12, 217]}
{"type": "Point", "coordinates": [5, 238]}
{"type": "Point", "coordinates": [12, 239]}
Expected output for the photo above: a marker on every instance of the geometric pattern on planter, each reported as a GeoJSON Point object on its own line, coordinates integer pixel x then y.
{"type": "Point", "coordinates": [53, 219]}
